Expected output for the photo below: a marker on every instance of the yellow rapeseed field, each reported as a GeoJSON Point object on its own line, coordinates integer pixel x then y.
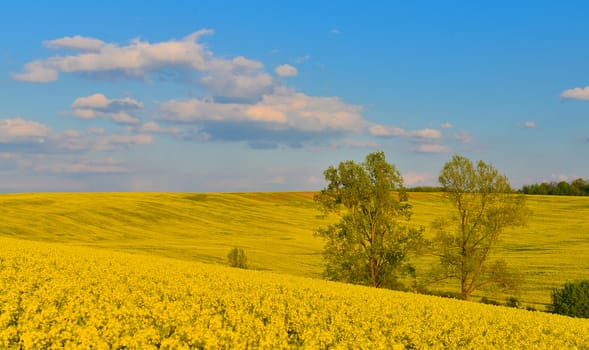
{"type": "Point", "coordinates": [276, 231]}
{"type": "Point", "coordinates": [58, 296]}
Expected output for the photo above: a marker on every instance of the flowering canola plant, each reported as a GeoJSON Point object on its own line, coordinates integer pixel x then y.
{"type": "Point", "coordinates": [58, 296]}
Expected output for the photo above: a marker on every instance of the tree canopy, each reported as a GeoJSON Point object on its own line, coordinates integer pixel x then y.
{"type": "Point", "coordinates": [369, 244]}
{"type": "Point", "coordinates": [578, 187]}
{"type": "Point", "coordinates": [484, 205]}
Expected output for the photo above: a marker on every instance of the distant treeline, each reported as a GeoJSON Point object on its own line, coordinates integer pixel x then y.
{"type": "Point", "coordinates": [425, 189]}
{"type": "Point", "coordinates": [578, 187]}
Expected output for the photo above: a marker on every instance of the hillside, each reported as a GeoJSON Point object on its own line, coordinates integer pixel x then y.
{"type": "Point", "coordinates": [276, 230]}
{"type": "Point", "coordinates": [58, 296]}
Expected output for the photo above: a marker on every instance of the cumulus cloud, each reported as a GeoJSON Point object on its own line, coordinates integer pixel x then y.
{"type": "Point", "coordinates": [236, 78]}
{"type": "Point", "coordinates": [425, 134]}
{"type": "Point", "coordinates": [241, 102]}
{"type": "Point", "coordinates": [386, 131]}
{"type": "Point", "coordinates": [446, 125]}
{"type": "Point", "coordinates": [136, 59]}
{"type": "Point", "coordinates": [99, 106]}
{"type": "Point", "coordinates": [18, 130]}
{"type": "Point", "coordinates": [391, 131]}
{"type": "Point", "coordinates": [29, 136]}
{"type": "Point", "coordinates": [76, 43]}
{"type": "Point", "coordinates": [576, 93]}
{"type": "Point", "coordinates": [285, 109]}
{"type": "Point", "coordinates": [286, 70]}
{"type": "Point", "coordinates": [430, 148]}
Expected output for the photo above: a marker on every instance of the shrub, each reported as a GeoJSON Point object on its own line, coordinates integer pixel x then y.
{"type": "Point", "coordinates": [512, 302]}
{"type": "Point", "coordinates": [572, 299]}
{"type": "Point", "coordinates": [237, 258]}
{"type": "Point", "coordinates": [488, 301]}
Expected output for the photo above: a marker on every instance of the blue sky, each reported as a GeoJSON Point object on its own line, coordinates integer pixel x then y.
{"type": "Point", "coordinates": [265, 95]}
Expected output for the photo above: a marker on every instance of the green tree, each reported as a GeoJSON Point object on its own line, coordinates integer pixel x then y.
{"type": "Point", "coordinates": [572, 299]}
{"type": "Point", "coordinates": [369, 245]}
{"type": "Point", "coordinates": [484, 205]}
{"type": "Point", "coordinates": [237, 258]}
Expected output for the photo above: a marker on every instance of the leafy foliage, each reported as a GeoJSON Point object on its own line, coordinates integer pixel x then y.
{"type": "Point", "coordinates": [572, 299]}
{"type": "Point", "coordinates": [578, 187]}
{"type": "Point", "coordinates": [484, 205]}
{"type": "Point", "coordinates": [369, 245]}
{"type": "Point", "coordinates": [237, 258]}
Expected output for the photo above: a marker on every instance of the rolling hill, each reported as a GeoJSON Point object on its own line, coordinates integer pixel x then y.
{"type": "Point", "coordinates": [276, 230]}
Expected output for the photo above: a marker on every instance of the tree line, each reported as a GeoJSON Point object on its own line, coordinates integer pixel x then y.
{"type": "Point", "coordinates": [578, 187]}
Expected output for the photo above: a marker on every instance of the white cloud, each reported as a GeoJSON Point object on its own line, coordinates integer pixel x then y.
{"type": "Point", "coordinates": [75, 43]}
{"type": "Point", "coordinates": [576, 93]}
{"type": "Point", "coordinates": [335, 31]}
{"type": "Point", "coordinates": [411, 178]}
{"type": "Point", "coordinates": [314, 180]}
{"type": "Point", "coordinates": [358, 144]}
{"type": "Point", "coordinates": [62, 163]}
{"type": "Point", "coordinates": [96, 101]}
{"type": "Point", "coordinates": [236, 78]}
{"type": "Point", "coordinates": [283, 110]}
{"type": "Point", "coordinates": [446, 125]}
{"type": "Point", "coordinates": [79, 166]}
{"type": "Point", "coordinates": [91, 141]}
{"type": "Point", "coordinates": [124, 118]}
{"type": "Point", "coordinates": [20, 130]}
{"type": "Point", "coordinates": [526, 124]}
{"type": "Point", "coordinates": [153, 127]}
{"type": "Point", "coordinates": [463, 137]}
{"type": "Point", "coordinates": [386, 131]}
{"type": "Point", "coordinates": [136, 59]}
{"type": "Point", "coordinates": [7, 155]}
{"type": "Point", "coordinates": [425, 134]}
{"type": "Point", "coordinates": [431, 148]}
{"type": "Point", "coordinates": [391, 131]}
{"type": "Point", "coordinates": [99, 106]}
{"type": "Point", "coordinates": [37, 72]}
{"type": "Point", "coordinates": [286, 70]}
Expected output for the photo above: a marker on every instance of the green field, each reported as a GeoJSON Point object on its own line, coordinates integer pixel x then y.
{"type": "Point", "coordinates": [276, 230]}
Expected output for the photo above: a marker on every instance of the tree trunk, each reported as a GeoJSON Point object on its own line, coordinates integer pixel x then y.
{"type": "Point", "coordinates": [465, 293]}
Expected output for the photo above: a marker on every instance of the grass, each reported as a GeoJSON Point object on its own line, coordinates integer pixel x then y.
{"type": "Point", "coordinates": [276, 230]}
